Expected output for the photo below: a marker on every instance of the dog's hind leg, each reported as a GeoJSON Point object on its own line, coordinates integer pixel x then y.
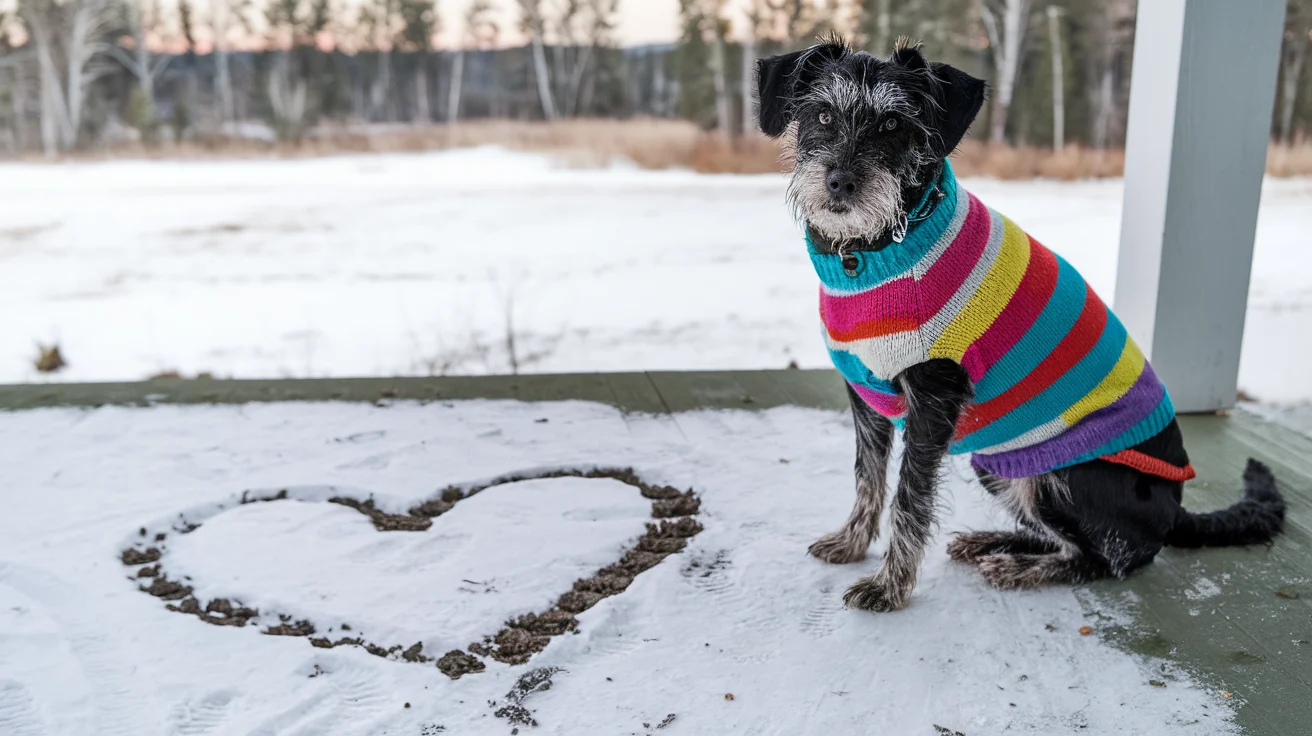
{"type": "Point", "coordinates": [1103, 520]}
{"type": "Point", "coordinates": [1032, 538]}
{"type": "Point", "coordinates": [1011, 571]}
{"type": "Point", "coordinates": [970, 546]}
{"type": "Point", "coordinates": [874, 441]}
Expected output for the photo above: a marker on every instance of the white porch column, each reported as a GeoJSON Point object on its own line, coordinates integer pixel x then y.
{"type": "Point", "coordinates": [1201, 97]}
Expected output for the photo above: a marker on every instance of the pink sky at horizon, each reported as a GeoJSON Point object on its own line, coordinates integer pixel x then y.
{"type": "Point", "coordinates": [640, 21]}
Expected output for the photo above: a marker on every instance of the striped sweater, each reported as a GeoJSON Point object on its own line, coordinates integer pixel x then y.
{"type": "Point", "coordinates": [1057, 379]}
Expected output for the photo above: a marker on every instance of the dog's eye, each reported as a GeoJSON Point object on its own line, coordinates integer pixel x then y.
{"type": "Point", "coordinates": [826, 118]}
{"type": "Point", "coordinates": [889, 125]}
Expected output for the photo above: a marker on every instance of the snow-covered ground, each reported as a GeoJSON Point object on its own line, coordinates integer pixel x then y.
{"type": "Point", "coordinates": [416, 264]}
{"type": "Point", "coordinates": [740, 633]}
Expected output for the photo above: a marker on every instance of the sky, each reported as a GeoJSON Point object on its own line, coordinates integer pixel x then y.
{"type": "Point", "coordinates": [640, 21]}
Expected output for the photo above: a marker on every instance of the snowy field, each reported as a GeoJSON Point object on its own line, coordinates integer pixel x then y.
{"type": "Point", "coordinates": [739, 633]}
{"type": "Point", "coordinates": [419, 264]}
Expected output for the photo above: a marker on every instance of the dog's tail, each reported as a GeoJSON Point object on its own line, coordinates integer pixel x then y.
{"type": "Point", "coordinates": [1257, 518]}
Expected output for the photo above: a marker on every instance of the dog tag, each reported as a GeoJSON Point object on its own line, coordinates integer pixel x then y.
{"type": "Point", "coordinates": [900, 229]}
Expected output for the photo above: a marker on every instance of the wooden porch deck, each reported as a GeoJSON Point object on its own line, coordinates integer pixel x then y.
{"type": "Point", "coordinates": [1240, 619]}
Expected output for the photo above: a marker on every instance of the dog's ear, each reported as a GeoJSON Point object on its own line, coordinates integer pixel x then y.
{"type": "Point", "coordinates": [908, 53]}
{"type": "Point", "coordinates": [959, 97]}
{"type": "Point", "coordinates": [780, 80]}
{"type": "Point", "coordinates": [774, 88]}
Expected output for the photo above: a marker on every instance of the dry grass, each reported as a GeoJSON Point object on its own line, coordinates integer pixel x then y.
{"type": "Point", "coordinates": [653, 144]}
{"type": "Point", "coordinates": [1025, 162]}
{"type": "Point", "coordinates": [49, 359]}
{"type": "Point", "coordinates": [1282, 160]}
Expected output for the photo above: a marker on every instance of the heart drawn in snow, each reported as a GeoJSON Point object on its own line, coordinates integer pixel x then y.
{"type": "Point", "coordinates": [409, 541]}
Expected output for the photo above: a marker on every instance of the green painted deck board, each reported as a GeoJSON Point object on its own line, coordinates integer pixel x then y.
{"type": "Point", "coordinates": [1214, 612]}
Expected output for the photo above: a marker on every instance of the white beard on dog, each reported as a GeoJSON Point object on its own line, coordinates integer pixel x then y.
{"type": "Point", "coordinates": [875, 210]}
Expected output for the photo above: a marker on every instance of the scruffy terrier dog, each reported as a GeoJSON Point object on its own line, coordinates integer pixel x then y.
{"type": "Point", "coordinates": [949, 322]}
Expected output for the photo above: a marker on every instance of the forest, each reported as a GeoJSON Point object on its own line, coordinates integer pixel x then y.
{"type": "Point", "coordinates": [94, 74]}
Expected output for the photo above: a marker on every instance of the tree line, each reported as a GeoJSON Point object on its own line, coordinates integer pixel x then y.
{"type": "Point", "coordinates": [1059, 70]}
{"type": "Point", "coordinates": [82, 73]}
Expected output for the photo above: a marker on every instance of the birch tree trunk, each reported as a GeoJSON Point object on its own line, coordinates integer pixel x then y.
{"type": "Point", "coordinates": [1007, 43]}
{"type": "Point", "coordinates": [722, 107]}
{"type": "Point", "coordinates": [287, 98]}
{"type": "Point", "coordinates": [543, 78]}
{"type": "Point", "coordinates": [535, 26]}
{"type": "Point", "coordinates": [50, 113]}
{"type": "Point", "coordinates": [142, 54]}
{"type": "Point", "coordinates": [660, 89]}
{"type": "Point", "coordinates": [558, 77]}
{"type": "Point", "coordinates": [457, 82]}
{"type": "Point", "coordinates": [1058, 80]}
{"type": "Point", "coordinates": [576, 79]}
{"type": "Point", "coordinates": [1102, 124]}
{"type": "Point", "coordinates": [73, 30]}
{"type": "Point", "coordinates": [222, 75]}
{"type": "Point", "coordinates": [18, 103]}
{"type": "Point", "coordinates": [1293, 72]}
{"type": "Point", "coordinates": [379, 95]}
{"type": "Point", "coordinates": [423, 110]}
{"type": "Point", "coordinates": [749, 83]}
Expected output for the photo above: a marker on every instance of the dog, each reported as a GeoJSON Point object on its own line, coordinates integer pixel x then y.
{"type": "Point", "coordinates": [948, 321]}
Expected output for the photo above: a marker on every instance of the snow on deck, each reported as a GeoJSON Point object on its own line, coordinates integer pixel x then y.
{"type": "Point", "coordinates": [417, 264]}
{"type": "Point", "coordinates": [741, 632]}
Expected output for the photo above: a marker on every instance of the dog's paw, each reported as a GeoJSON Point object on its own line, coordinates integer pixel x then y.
{"type": "Point", "coordinates": [1007, 572]}
{"type": "Point", "coordinates": [839, 548]}
{"type": "Point", "coordinates": [874, 594]}
{"type": "Point", "coordinates": [968, 547]}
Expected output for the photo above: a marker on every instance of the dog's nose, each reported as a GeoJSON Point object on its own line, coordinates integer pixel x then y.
{"type": "Point", "coordinates": [842, 183]}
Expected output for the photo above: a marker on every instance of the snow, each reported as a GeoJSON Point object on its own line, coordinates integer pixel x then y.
{"type": "Point", "coordinates": [423, 263]}
{"type": "Point", "coordinates": [453, 582]}
{"type": "Point", "coordinates": [742, 611]}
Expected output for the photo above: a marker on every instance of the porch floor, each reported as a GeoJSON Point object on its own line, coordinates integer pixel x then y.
{"type": "Point", "coordinates": [1246, 628]}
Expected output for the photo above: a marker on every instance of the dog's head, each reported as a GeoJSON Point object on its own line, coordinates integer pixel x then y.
{"type": "Point", "coordinates": [867, 133]}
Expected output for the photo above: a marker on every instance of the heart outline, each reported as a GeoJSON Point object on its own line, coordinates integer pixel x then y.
{"type": "Point", "coordinates": [674, 512]}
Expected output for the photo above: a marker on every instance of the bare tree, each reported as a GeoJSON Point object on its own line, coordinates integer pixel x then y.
{"type": "Point", "coordinates": [15, 71]}
{"type": "Point", "coordinates": [875, 24]}
{"type": "Point", "coordinates": [756, 19]}
{"type": "Point", "coordinates": [287, 93]}
{"type": "Point", "coordinates": [383, 24]}
{"type": "Point", "coordinates": [70, 40]}
{"type": "Point", "coordinates": [1058, 79]}
{"type": "Point", "coordinates": [600, 31]}
{"type": "Point", "coordinates": [567, 15]}
{"type": "Point", "coordinates": [13, 66]}
{"type": "Point", "coordinates": [534, 24]}
{"type": "Point", "coordinates": [140, 20]}
{"type": "Point", "coordinates": [791, 16]}
{"type": "Point", "coordinates": [1114, 28]}
{"type": "Point", "coordinates": [480, 32]}
{"type": "Point", "coordinates": [586, 26]}
{"type": "Point", "coordinates": [1007, 42]}
{"type": "Point", "coordinates": [292, 26]}
{"type": "Point", "coordinates": [221, 13]}
{"type": "Point", "coordinates": [419, 22]}
{"type": "Point", "coordinates": [1298, 34]}
{"type": "Point", "coordinates": [719, 28]}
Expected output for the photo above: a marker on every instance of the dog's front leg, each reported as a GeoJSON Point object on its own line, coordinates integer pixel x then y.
{"type": "Point", "coordinates": [874, 440]}
{"type": "Point", "coordinates": [935, 392]}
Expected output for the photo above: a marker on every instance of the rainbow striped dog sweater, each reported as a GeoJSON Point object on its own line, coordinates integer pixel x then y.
{"type": "Point", "coordinates": [1057, 379]}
